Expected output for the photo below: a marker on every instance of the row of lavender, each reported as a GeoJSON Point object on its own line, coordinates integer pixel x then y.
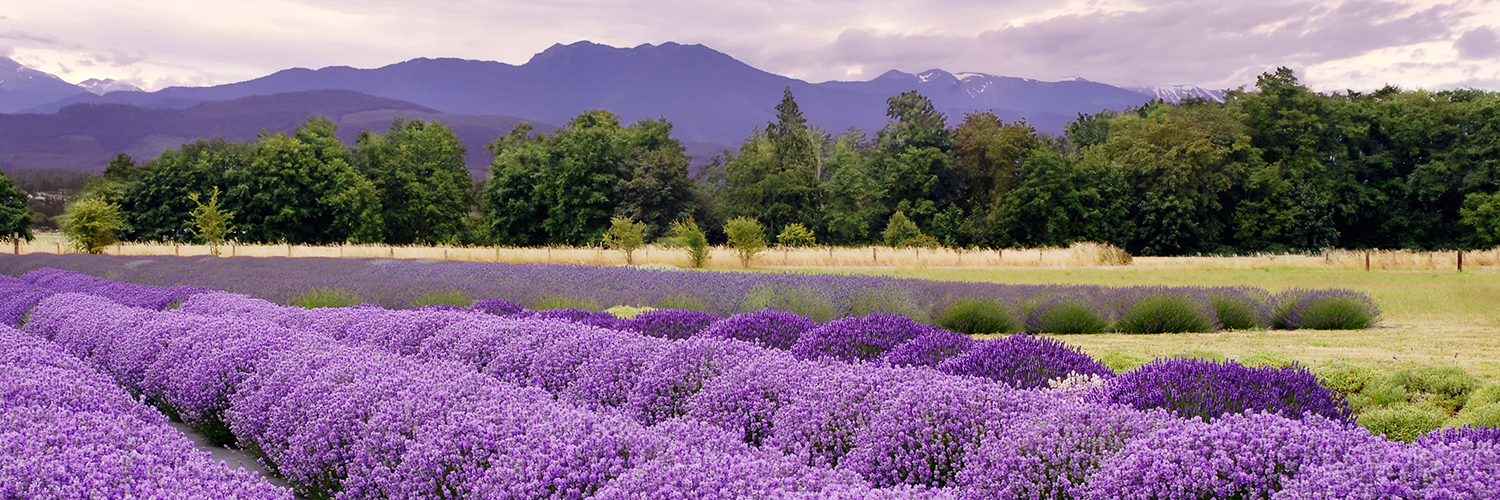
{"type": "Point", "coordinates": [822, 297]}
{"type": "Point", "coordinates": [906, 426]}
{"type": "Point", "coordinates": [67, 431]}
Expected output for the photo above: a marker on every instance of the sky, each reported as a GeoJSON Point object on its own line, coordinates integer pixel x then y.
{"type": "Point", "coordinates": [1217, 44]}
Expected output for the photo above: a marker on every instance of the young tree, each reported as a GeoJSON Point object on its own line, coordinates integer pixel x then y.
{"type": "Point", "coordinates": [686, 234]}
{"type": "Point", "coordinates": [901, 231]}
{"type": "Point", "coordinates": [15, 218]}
{"type": "Point", "coordinates": [775, 176]}
{"type": "Point", "coordinates": [796, 236]}
{"type": "Point", "coordinates": [625, 235]}
{"type": "Point", "coordinates": [747, 237]}
{"type": "Point", "coordinates": [211, 221]}
{"type": "Point", "coordinates": [90, 224]}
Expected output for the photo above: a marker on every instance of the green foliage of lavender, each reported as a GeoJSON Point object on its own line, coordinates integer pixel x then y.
{"type": "Point", "coordinates": [978, 315]}
{"type": "Point", "coordinates": [1167, 313]}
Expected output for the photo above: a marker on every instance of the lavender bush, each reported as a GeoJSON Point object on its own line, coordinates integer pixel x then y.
{"type": "Point", "coordinates": [673, 324]}
{"type": "Point", "coordinates": [974, 315]}
{"type": "Point", "coordinates": [1325, 310]}
{"type": "Point", "coordinates": [930, 349]}
{"type": "Point", "coordinates": [1066, 314]}
{"type": "Point", "coordinates": [1166, 312]}
{"type": "Point", "coordinates": [1210, 389]}
{"type": "Point", "coordinates": [766, 327]}
{"type": "Point", "coordinates": [859, 338]}
{"type": "Point", "coordinates": [1023, 361]}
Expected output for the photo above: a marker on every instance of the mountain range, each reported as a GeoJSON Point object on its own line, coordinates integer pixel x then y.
{"type": "Point", "coordinates": [713, 100]}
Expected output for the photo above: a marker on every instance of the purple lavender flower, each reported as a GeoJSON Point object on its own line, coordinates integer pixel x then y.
{"type": "Point", "coordinates": [1210, 389]}
{"type": "Point", "coordinates": [1456, 434]}
{"type": "Point", "coordinates": [673, 324]}
{"type": "Point", "coordinates": [1023, 361]}
{"type": "Point", "coordinates": [862, 338]}
{"type": "Point", "coordinates": [929, 349]}
{"type": "Point", "coordinates": [498, 307]}
{"type": "Point", "coordinates": [587, 317]}
{"type": "Point", "coordinates": [766, 327]}
{"type": "Point", "coordinates": [1385, 470]}
{"type": "Point", "coordinates": [16, 298]}
{"type": "Point", "coordinates": [148, 297]}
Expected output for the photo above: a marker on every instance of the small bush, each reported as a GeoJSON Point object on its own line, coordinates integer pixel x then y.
{"type": "Point", "coordinates": [1403, 421]}
{"type": "Point", "coordinates": [980, 315]}
{"type": "Point", "coordinates": [804, 301]}
{"type": "Point", "coordinates": [628, 312]}
{"type": "Point", "coordinates": [929, 350]}
{"type": "Point", "coordinates": [1481, 415]}
{"type": "Point", "coordinates": [551, 302]}
{"type": "Point", "coordinates": [458, 298]}
{"type": "Point", "coordinates": [1383, 391]}
{"type": "Point", "coordinates": [747, 237]}
{"type": "Point", "coordinates": [1344, 377]}
{"type": "Point", "coordinates": [1121, 361]}
{"type": "Point", "coordinates": [888, 300]}
{"type": "Point", "coordinates": [1237, 312]}
{"type": "Point", "coordinates": [859, 338]}
{"type": "Point", "coordinates": [675, 324]}
{"type": "Point", "coordinates": [325, 297]}
{"type": "Point", "coordinates": [625, 235]}
{"type": "Point", "coordinates": [769, 328]}
{"type": "Point", "coordinates": [1445, 386]}
{"type": "Point", "coordinates": [1212, 389]}
{"type": "Point", "coordinates": [685, 234]}
{"type": "Point", "coordinates": [1488, 394]}
{"type": "Point", "coordinates": [796, 235]}
{"type": "Point", "coordinates": [1167, 313]}
{"type": "Point", "coordinates": [1066, 316]}
{"type": "Point", "coordinates": [1324, 310]}
{"type": "Point", "coordinates": [1023, 361]}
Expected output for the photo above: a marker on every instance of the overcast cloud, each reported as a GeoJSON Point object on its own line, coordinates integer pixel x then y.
{"type": "Point", "coordinates": [1333, 45]}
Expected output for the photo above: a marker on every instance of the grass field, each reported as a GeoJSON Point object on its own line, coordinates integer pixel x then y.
{"type": "Point", "coordinates": [1430, 317]}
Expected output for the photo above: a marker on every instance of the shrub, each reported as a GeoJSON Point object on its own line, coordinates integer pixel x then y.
{"type": "Point", "coordinates": [796, 235]}
{"type": "Point", "coordinates": [1121, 361]}
{"type": "Point", "coordinates": [498, 307]}
{"type": "Point", "coordinates": [1344, 377]}
{"type": "Point", "coordinates": [1238, 311]}
{"type": "Point", "coordinates": [804, 301]}
{"type": "Point", "coordinates": [1066, 315]}
{"type": "Point", "coordinates": [628, 312]}
{"type": "Point", "coordinates": [767, 327]}
{"type": "Point", "coordinates": [1023, 361]}
{"type": "Point", "coordinates": [859, 338]}
{"type": "Point", "coordinates": [1211, 389]}
{"type": "Point", "coordinates": [1383, 471]}
{"type": "Point", "coordinates": [1449, 386]}
{"type": "Point", "coordinates": [924, 434]}
{"type": "Point", "coordinates": [673, 324]}
{"type": "Point", "coordinates": [566, 302]}
{"type": "Point", "coordinates": [1403, 421]}
{"type": "Point", "coordinates": [747, 237]}
{"type": "Point", "coordinates": [325, 297]}
{"type": "Point", "coordinates": [886, 299]}
{"type": "Point", "coordinates": [1480, 415]}
{"type": "Point", "coordinates": [446, 297]}
{"type": "Point", "coordinates": [1167, 313]}
{"type": "Point", "coordinates": [929, 349]}
{"type": "Point", "coordinates": [1332, 309]}
{"type": "Point", "coordinates": [90, 224]}
{"type": "Point", "coordinates": [1456, 434]}
{"type": "Point", "coordinates": [625, 235]}
{"type": "Point", "coordinates": [686, 234]}
{"type": "Point", "coordinates": [979, 315]}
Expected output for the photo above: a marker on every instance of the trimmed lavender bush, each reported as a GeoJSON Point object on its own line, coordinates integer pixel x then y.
{"type": "Point", "coordinates": [929, 349]}
{"type": "Point", "coordinates": [1239, 456]}
{"type": "Point", "coordinates": [801, 300]}
{"type": "Point", "coordinates": [1240, 308]}
{"type": "Point", "coordinates": [1023, 361]}
{"type": "Point", "coordinates": [1210, 389]}
{"type": "Point", "coordinates": [678, 372]}
{"type": "Point", "coordinates": [1167, 312]}
{"type": "Point", "coordinates": [148, 297]}
{"type": "Point", "coordinates": [584, 316]}
{"type": "Point", "coordinates": [1333, 309]}
{"type": "Point", "coordinates": [766, 327]}
{"type": "Point", "coordinates": [498, 307]}
{"type": "Point", "coordinates": [858, 339]}
{"type": "Point", "coordinates": [675, 324]}
{"type": "Point", "coordinates": [744, 397]}
{"type": "Point", "coordinates": [818, 424]}
{"type": "Point", "coordinates": [1456, 470]}
{"type": "Point", "coordinates": [976, 315]}
{"type": "Point", "coordinates": [1050, 454]}
{"type": "Point", "coordinates": [1066, 315]}
{"type": "Point", "coordinates": [1456, 434]}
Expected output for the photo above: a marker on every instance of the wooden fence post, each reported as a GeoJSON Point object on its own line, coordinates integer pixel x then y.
{"type": "Point", "coordinates": [1460, 261]}
{"type": "Point", "coordinates": [874, 257]}
{"type": "Point", "coordinates": [1367, 261]}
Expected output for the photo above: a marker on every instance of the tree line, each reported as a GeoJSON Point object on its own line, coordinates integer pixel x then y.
{"type": "Point", "coordinates": [1273, 168]}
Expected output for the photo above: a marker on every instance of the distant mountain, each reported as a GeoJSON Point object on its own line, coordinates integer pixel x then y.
{"type": "Point", "coordinates": [1178, 93]}
{"type": "Point", "coordinates": [22, 87]}
{"type": "Point", "coordinates": [709, 96]}
{"type": "Point", "coordinates": [100, 87]}
{"type": "Point", "coordinates": [86, 136]}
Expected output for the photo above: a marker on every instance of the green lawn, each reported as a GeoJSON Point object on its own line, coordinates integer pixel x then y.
{"type": "Point", "coordinates": [1441, 318]}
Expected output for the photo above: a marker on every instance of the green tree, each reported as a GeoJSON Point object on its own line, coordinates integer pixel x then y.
{"type": "Point", "coordinates": [747, 236]}
{"type": "Point", "coordinates": [913, 158]}
{"type": "Point", "coordinates": [153, 198]}
{"type": "Point", "coordinates": [654, 187]}
{"type": "Point", "coordinates": [511, 197]}
{"type": "Point", "coordinates": [90, 224]}
{"type": "Point", "coordinates": [1056, 203]}
{"type": "Point", "coordinates": [686, 234]}
{"type": "Point", "coordinates": [1481, 211]}
{"type": "Point", "coordinates": [853, 194]}
{"type": "Point", "coordinates": [559, 188]}
{"type": "Point", "coordinates": [987, 157]}
{"type": "Point", "coordinates": [796, 235]}
{"type": "Point", "coordinates": [211, 221]}
{"type": "Point", "coordinates": [775, 175]}
{"type": "Point", "coordinates": [15, 218]}
{"type": "Point", "coordinates": [301, 189]}
{"type": "Point", "coordinates": [424, 187]}
{"type": "Point", "coordinates": [625, 235]}
{"type": "Point", "coordinates": [901, 231]}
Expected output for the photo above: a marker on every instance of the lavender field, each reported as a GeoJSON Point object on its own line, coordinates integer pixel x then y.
{"type": "Point", "coordinates": [734, 386]}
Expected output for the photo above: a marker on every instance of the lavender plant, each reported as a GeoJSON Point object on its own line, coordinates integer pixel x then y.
{"type": "Point", "coordinates": [930, 349]}
{"type": "Point", "coordinates": [975, 315]}
{"type": "Point", "coordinates": [858, 338]}
{"type": "Point", "coordinates": [1166, 312]}
{"type": "Point", "coordinates": [1210, 390]}
{"type": "Point", "coordinates": [1023, 361]}
{"type": "Point", "coordinates": [1333, 309]}
{"type": "Point", "coordinates": [673, 324]}
{"type": "Point", "coordinates": [766, 327]}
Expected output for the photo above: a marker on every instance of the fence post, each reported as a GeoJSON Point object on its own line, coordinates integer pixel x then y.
{"type": "Point", "coordinates": [1460, 261]}
{"type": "Point", "coordinates": [874, 257]}
{"type": "Point", "coordinates": [1367, 261]}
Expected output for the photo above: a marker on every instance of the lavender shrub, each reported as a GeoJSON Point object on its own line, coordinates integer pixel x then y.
{"type": "Point", "coordinates": [675, 324]}
{"type": "Point", "coordinates": [929, 349]}
{"type": "Point", "coordinates": [1210, 389]}
{"type": "Point", "coordinates": [860, 338]}
{"type": "Point", "coordinates": [1023, 361]}
{"type": "Point", "coordinates": [766, 327]}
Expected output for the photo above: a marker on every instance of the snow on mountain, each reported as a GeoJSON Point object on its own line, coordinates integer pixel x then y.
{"type": "Point", "coordinates": [1177, 93]}
{"type": "Point", "coordinates": [107, 85]}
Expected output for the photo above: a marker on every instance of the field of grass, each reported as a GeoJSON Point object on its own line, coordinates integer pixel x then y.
{"type": "Point", "coordinates": [1430, 317]}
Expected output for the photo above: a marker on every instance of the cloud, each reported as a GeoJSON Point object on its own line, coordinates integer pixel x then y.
{"type": "Point", "coordinates": [1478, 43]}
